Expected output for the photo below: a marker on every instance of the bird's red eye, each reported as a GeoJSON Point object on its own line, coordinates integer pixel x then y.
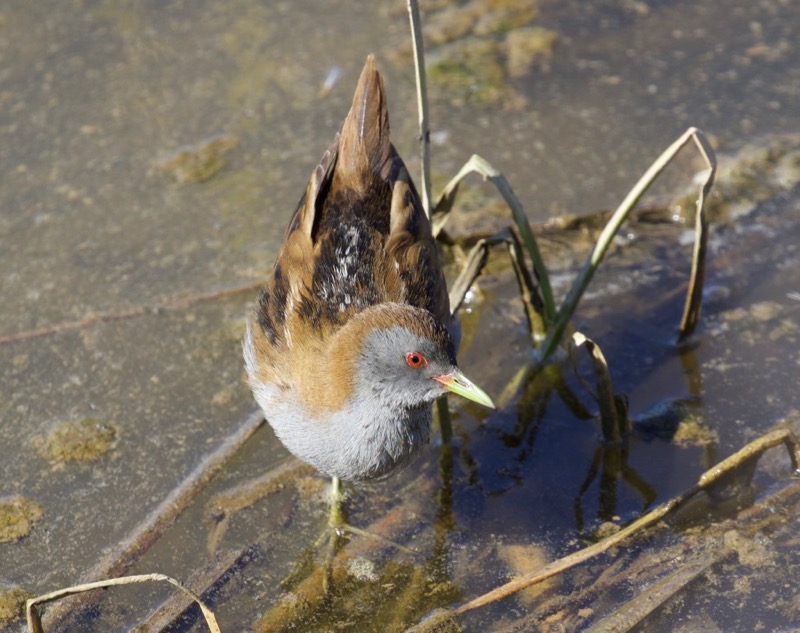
{"type": "Point", "coordinates": [416, 360]}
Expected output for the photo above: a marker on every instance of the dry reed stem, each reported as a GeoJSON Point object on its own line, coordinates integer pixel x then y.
{"type": "Point", "coordinates": [94, 319]}
{"type": "Point", "coordinates": [35, 623]}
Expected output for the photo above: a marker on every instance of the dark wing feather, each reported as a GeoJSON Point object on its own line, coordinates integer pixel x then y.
{"type": "Point", "coordinates": [359, 236]}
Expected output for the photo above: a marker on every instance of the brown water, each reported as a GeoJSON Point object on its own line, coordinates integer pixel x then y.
{"type": "Point", "coordinates": [94, 96]}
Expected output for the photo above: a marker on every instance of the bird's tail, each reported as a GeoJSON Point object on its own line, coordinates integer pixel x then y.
{"type": "Point", "coordinates": [365, 149]}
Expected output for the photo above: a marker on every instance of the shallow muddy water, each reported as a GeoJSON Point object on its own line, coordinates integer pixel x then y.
{"type": "Point", "coordinates": [150, 156]}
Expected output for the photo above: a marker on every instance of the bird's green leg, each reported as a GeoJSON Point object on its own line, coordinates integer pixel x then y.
{"type": "Point", "coordinates": [337, 525]}
{"type": "Point", "coordinates": [336, 518]}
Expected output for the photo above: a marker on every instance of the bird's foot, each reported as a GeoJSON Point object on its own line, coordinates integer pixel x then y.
{"type": "Point", "coordinates": [339, 528]}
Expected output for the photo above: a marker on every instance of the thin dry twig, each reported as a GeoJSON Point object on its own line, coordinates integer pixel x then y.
{"type": "Point", "coordinates": [96, 318]}
{"type": "Point", "coordinates": [422, 103]}
{"type": "Point", "coordinates": [222, 506]}
{"type": "Point", "coordinates": [35, 623]}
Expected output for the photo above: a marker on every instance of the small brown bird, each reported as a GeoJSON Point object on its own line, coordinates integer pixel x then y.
{"type": "Point", "coordinates": [353, 337]}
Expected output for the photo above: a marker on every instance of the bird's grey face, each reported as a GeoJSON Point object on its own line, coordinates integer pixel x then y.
{"type": "Point", "coordinates": [401, 368]}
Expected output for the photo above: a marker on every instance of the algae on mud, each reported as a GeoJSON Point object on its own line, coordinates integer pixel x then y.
{"type": "Point", "coordinates": [76, 440]}
{"type": "Point", "coordinates": [18, 514]}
